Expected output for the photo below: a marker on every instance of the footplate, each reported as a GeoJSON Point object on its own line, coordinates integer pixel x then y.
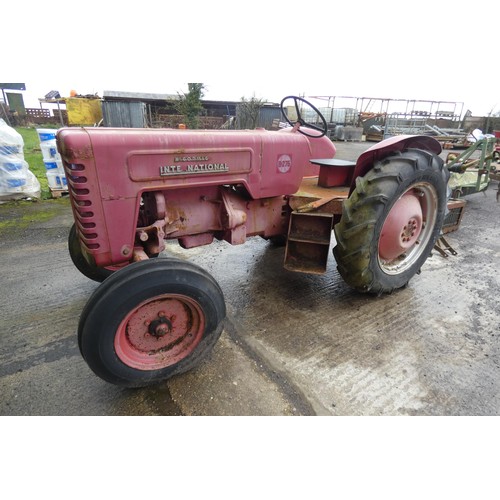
{"type": "Point", "coordinates": [308, 242]}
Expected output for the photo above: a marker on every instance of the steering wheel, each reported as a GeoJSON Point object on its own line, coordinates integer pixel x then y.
{"type": "Point", "coordinates": [300, 121]}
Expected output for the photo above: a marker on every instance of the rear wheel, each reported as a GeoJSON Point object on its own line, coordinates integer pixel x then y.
{"type": "Point", "coordinates": [150, 321]}
{"type": "Point", "coordinates": [391, 221]}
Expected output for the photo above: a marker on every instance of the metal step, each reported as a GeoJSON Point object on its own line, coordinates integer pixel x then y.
{"type": "Point", "coordinates": [308, 242]}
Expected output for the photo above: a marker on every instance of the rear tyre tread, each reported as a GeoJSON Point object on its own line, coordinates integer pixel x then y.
{"type": "Point", "coordinates": [364, 212]}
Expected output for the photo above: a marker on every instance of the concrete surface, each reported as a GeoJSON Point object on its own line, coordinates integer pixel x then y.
{"type": "Point", "coordinates": [293, 344]}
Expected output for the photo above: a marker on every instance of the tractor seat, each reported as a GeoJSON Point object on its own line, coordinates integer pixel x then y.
{"type": "Point", "coordinates": [333, 172]}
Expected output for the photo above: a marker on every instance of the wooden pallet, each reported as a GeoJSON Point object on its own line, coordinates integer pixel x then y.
{"type": "Point", "coordinates": [59, 193]}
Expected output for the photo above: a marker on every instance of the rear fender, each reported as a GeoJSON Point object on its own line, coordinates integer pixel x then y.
{"type": "Point", "coordinates": [389, 146]}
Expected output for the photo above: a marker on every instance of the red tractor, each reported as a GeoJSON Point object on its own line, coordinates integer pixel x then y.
{"type": "Point", "coordinates": [132, 189]}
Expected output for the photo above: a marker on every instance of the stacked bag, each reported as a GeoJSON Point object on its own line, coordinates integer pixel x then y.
{"type": "Point", "coordinates": [52, 159]}
{"type": "Point", "coordinates": [16, 179]}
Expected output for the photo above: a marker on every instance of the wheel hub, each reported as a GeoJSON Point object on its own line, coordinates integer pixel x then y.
{"type": "Point", "coordinates": [409, 230]}
{"type": "Point", "coordinates": [160, 327]}
{"type": "Point", "coordinates": [402, 227]}
{"type": "Point", "coordinates": [159, 332]}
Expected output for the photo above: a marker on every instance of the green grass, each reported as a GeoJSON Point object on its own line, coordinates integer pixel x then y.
{"type": "Point", "coordinates": [17, 216]}
{"type": "Point", "coordinates": [23, 220]}
{"type": "Point", "coordinates": [33, 155]}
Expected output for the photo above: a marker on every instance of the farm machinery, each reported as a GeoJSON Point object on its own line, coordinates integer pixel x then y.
{"type": "Point", "coordinates": [131, 190]}
{"type": "Point", "coordinates": [496, 152]}
{"type": "Point", "coordinates": [471, 174]}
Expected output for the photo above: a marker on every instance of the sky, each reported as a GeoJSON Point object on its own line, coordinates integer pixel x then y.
{"type": "Point", "coordinates": [428, 50]}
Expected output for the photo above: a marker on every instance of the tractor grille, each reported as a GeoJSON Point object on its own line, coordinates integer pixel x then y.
{"type": "Point", "coordinates": [83, 205]}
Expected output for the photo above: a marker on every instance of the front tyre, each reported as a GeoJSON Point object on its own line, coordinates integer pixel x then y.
{"type": "Point", "coordinates": [150, 321]}
{"type": "Point", "coordinates": [391, 221]}
{"type": "Point", "coordinates": [88, 269]}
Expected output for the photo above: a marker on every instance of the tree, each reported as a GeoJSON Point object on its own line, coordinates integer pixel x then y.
{"type": "Point", "coordinates": [247, 112]}
{"type": "Point", "coordinates": [190, 104]}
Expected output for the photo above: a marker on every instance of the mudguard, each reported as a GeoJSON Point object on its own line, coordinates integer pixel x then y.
{"type": "Point", "coordinates": [388, 146]}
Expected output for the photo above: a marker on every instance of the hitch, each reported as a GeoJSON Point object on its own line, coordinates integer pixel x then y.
{"type": "Point", "coordinates": [442, 246]}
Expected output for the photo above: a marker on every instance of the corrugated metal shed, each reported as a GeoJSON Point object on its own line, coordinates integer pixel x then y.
{"type": "Point", "coordinates": [155, 107]}
{"type": "Point", "coordinates": [138, 96]}
{"type": "Point", "coordinates": [124, 114]}
{"type": "Point", "coordinates": [267, 115]}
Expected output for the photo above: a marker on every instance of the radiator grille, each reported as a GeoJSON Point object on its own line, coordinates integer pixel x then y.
{"type": "Point", "coordinates": [81, 200]}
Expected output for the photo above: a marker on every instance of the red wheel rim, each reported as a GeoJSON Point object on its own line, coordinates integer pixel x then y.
{"type": "Point", "coordinates": [159, 332]}
{"type": "Point", "coordinates": [401, 228]}
{"type": "Point", "coordinates": [408, 228]}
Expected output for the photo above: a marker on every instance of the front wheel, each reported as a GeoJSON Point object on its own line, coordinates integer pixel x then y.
{"type": "Point", "coordinates": [88, 269]}
{"type": "Point", "coordinates": [391, 221]}
{"type": "Point", "coordinates": [150, 321]}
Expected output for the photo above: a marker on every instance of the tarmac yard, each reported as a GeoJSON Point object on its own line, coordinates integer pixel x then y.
{"type": "Point", "coordinates": [293, 344]}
